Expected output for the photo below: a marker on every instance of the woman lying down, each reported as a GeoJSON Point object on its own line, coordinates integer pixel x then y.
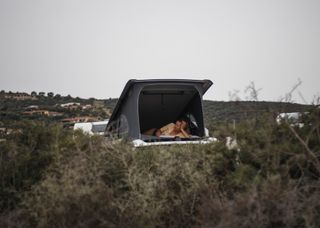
{"type": "Point", "coordinates": [177, 129]}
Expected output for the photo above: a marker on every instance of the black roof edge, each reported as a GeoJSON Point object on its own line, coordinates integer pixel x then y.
{"type": "Point", "coordinates": [206, 84]}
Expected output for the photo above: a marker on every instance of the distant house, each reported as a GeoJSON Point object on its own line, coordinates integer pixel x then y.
{"type": "Point", "coordinates": [32, 107]}
{"type": "Point", "coordinates": [75, 105]}
{"type": "Point", "coordinates": [19, 96]}
{"type": "Point", "coordinates": [87, 106]}
{"type": "Point", "coordinates": [36, 112]}
{"type": "Point", "coordinates": [53, 114]}
{"type": "Point", "coordinates": [71, 105]}
{"type": "Point", "coordinates": [42, 113]}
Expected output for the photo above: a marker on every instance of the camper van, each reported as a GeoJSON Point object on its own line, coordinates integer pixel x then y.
{"type": "Point", "coordinates": [152, 104]}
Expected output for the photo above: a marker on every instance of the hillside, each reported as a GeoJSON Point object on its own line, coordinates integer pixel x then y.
{"type": "Point", "coordinates": [239, 110]}
{"type": "Point", "coordinates": [54, 177]}
{"type": "Point", "coordinates": [15, 107]}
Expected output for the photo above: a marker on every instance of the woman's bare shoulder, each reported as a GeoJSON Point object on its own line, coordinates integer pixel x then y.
{"type": "Point", "coordinates": [168, 126]}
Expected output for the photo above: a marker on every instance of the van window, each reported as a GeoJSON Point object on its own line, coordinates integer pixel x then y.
{"type": "Point", "coordinates": [118, 128]}
{"type": "Point", "coordinates": [192, 120]}
{"type": "Point", "coordinates": [123, 126]}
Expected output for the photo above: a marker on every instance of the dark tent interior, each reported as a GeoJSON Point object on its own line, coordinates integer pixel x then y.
{"type": "Point", "coordinates": [160, 105]}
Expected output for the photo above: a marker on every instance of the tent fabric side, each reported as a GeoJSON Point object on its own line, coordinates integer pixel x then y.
{"type": "Point", "coordinates": [125, 122]}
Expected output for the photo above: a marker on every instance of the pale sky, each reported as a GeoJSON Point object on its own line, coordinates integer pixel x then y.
{"type": "Point", "coordinates": [91, 48]}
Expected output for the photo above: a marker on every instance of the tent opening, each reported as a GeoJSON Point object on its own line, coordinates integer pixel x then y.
{"type": "Point", "coordinates": [160, 105]}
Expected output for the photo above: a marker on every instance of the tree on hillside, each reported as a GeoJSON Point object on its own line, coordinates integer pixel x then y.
{"type": "Point", "coordinates": [34, 93]}
{"type": "Point", "coordinates": [57, 96]}
{"type": "Point", "coordinates": [50, 94]}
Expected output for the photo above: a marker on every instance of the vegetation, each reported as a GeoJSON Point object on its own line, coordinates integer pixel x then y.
{"type": "Point", "coordinates": [215, 112]}
{"type": "Point", "coordinates": [13, 110]}
{"type": "Point", "coordinates": [52, 177]}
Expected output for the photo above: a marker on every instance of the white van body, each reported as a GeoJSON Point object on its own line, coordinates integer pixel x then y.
{"type": "Point", "coordinates": [91, 128]}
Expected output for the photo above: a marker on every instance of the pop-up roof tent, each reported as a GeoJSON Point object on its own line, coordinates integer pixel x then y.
{"type": "Point", "coordinates": [147, 104]}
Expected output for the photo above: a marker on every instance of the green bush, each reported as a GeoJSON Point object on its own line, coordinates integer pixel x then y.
{"type": "Point", "coordinates": [57, 178]}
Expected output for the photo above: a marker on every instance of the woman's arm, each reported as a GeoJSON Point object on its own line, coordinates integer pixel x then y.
{"type": "Point", "coordinates": [185, 134]}
{"type": "Point", "coordinates": [150, 131]}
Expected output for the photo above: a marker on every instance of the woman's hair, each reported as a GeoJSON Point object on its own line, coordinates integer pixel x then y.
{"type": "Point", "coordinates": [186, 120]}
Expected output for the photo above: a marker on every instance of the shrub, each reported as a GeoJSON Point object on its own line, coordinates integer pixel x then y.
{"type": "Point", "coordinates": [57, 178]}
